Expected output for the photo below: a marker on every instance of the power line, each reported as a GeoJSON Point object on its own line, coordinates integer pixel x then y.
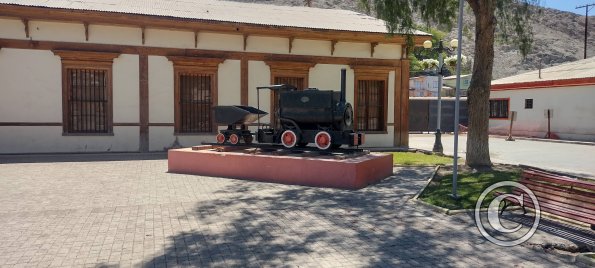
{"type": "Point", "coordinates": [587, 8]}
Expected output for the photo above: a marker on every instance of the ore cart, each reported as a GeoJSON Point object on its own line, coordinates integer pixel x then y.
{"type": "Point", "coordinates": [236, 118]}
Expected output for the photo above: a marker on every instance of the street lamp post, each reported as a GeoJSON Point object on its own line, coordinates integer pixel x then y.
{"type": "Point", "coordinates": [455, 168]}
{"type": "Point", "coordinates": [440, 50]}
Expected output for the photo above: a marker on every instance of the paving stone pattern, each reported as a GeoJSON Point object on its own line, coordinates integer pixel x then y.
{"type": "Point", "coordinates": [135, 214]}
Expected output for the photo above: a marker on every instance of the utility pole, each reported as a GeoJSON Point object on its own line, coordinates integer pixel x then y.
{"type": "Point", "coordinates": [587, 8]}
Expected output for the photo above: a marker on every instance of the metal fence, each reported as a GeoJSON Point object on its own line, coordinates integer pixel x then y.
{"type": "Point", "coordinates": [423, 114]}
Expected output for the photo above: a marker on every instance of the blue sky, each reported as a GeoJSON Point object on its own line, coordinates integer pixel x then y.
{"type": "Point", "coordinates": [569, 5]}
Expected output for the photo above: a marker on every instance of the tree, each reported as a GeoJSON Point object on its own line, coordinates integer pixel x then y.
{"type": "Point", "coordinates": [508, 19]}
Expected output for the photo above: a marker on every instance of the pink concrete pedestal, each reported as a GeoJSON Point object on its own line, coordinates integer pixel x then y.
{"type": "Point", "coordinates": [350, 173]}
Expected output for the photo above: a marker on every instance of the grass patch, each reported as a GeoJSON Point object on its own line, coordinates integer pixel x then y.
{"type": "Point", "coordinates": [419, 159]}
{"type": "Point", "coordinates": [470, 185]}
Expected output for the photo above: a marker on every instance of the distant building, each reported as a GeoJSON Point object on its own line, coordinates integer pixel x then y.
{"type": "Point", "coordinates": [423, 86]}
{"type": "Point", "coordinates": [451, 81]}
{"type": "Point", "coordinates": [427, 86]}
{"type": "Point", "coordinates": [567, 91]}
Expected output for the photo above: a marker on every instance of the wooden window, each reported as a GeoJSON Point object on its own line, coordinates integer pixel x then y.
{"type": "Point", "coordinates": [89, 100]}
{"type": "Point", "coordinates": [371, 98]}
{"type": "Point", "coordinates": [87, 92]}
{"type": "Point", "coordinates": [195, 102]}
{"type": "Point", "coordinates": [499, 108]}
{"type": "Point", "coordinates": [528, 103]}
{"type": "Point", "coordinates": [371, 105]}
{"type": "Point", "coordinates": [195, 93]}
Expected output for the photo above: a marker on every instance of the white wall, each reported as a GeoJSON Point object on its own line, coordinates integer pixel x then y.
{"type": "Point", "coordinates": [57, 31]}
{"type": "Point", "coordinates": [126, 89]}
{"type": "Point", "coordinates": [391, 99]}
{"type": "Point", "coordinates": [169, 38]}
{"type": "Point", "coordinates": [31, 86]}
{"type": "Point", "coordinates": [161, 90]}
{"type": "Point", "coordinates": [267, 44]}
{"type": "Point", "coordinates": [12, 28]}
{"type": "Point", "coordinates": [162, 138]}
{"type": "Point", "coordinates": [217, 41]}
{"type": "Point", "coordinates": [353, 50]}
{"type": "Point", "coordinates": [161, 103]}
{"type": "Point", "coordinates": [259, 74]}
{"type": "Point", "coordinates": [229, 83]}
{"type": "Point", "coordinates": [387, 51]}
{"type": "Point", "coordinates": [49, 139]}
{"type": "Point", "coordinates": [103, 34]}
{"type": "Point", "coordinates": [31, 92]}
{"type": "Point", "coordinates": [380, 140]}
{"type": "Point", "coordinates": [311, 47]}
{"type": "Point", "coordinates": [574, 112]}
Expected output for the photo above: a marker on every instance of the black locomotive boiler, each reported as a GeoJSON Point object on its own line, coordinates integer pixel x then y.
{"type": "Point", "coordinates": [321, 117]}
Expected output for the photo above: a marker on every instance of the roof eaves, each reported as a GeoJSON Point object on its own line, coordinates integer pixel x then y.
{"type": "Point", "coordinates": [545, 84]}
{"type": "Point", "coordinates": [193, 19]}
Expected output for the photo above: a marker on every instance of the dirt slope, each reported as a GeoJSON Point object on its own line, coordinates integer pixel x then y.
{"type": "Point", "coordinates": [558, 37]}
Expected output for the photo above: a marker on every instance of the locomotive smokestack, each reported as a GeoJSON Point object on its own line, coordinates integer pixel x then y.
{"type": "Point", "coordinates": [343, 89]}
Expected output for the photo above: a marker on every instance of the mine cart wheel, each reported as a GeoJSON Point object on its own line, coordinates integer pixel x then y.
{"type": "Point", "coordinates": [248, 139]}
{"type": "Point", "coordinates": [234, 139]}
{"type": "Point", "coordinates": [323, 140]}
{"type": "Point", "coordinates": [220, 138]}
{"type": "Point", "coordinates": [288, 138]}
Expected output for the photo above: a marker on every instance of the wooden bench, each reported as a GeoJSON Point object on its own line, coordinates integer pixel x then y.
{"type": "Point", "coordinates": [558, 195]}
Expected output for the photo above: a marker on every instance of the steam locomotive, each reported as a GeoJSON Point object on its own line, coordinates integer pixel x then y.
{"type": "Point", "coordinates": [321, 117]}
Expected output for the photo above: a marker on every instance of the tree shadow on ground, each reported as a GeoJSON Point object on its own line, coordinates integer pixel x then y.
{"type": "Point", "coordinates": [254, 224]}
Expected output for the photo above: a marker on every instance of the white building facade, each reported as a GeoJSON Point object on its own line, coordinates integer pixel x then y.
{"type": "Point", "coordinates": [566, 92]}
{"type": "Point", "coordinates": [88, 77]}
{"type": "Point", "coordinates": [423, 86]}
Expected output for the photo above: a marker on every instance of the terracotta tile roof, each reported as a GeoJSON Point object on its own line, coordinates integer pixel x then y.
{"type": "Point", "coordinates": [568, 71]}
{"type": "Point", "coordinates": [226, 11]}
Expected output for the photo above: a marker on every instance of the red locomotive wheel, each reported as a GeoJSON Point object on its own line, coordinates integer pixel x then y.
{"type": "Point", "coordinates": [220, 138]}
{"type": "Point", "coordinates": [323, 140]}
{"type": "Point", "coordinates": [288, 138]}
{"type": "Point", "coordinates": [234, 139]}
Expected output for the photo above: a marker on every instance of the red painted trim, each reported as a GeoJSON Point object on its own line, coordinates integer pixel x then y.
{"type": "Point", "coordinates": [545, 84]}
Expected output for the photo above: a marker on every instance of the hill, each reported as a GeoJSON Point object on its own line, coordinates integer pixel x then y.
{"type": "Point", "coordinates": [558, 37]}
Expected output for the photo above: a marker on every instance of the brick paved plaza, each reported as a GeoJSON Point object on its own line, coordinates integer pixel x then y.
{"type": "Point", "coordinates": [124, 213]}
